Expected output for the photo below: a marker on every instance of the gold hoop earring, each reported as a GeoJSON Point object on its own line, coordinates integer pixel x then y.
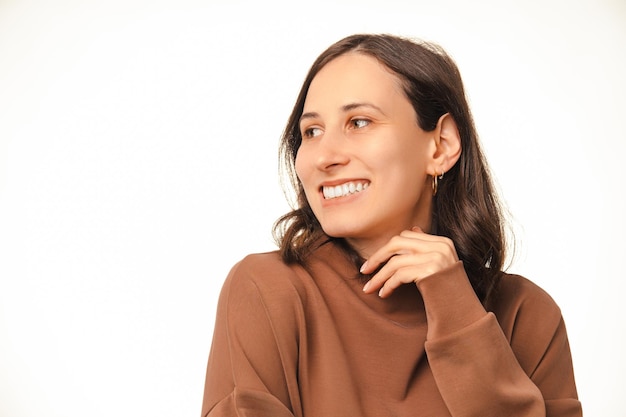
{"type": "Point", "coordinates": [435, 181]}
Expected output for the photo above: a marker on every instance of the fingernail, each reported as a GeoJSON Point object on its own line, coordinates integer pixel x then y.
{"type": "Point", "coordinates": [366, 286]}
{"type": "Point", "coordinates": [380, 293]}
{"type": "Point", "coordinates": [363, 267]}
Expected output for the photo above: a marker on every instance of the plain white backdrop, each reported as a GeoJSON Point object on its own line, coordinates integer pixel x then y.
{"type": "Point", "coordinates": [138, 164]}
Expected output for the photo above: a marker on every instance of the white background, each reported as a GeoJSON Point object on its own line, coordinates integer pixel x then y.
{"type": "Point", "coordinates": [138, 163]}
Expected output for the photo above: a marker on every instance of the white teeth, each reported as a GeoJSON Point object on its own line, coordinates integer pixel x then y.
{"type": "Point", "coordinates": [344, 189]}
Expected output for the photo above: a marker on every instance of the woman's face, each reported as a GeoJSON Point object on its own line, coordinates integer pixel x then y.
{"type": "Point", "coordinates": [363, 159]}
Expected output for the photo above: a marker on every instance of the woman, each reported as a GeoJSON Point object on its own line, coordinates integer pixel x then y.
{"type": "Point", "coordinates": [387, 296]}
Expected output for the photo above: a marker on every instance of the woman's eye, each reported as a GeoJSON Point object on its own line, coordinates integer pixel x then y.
{"type": "Point", "coordinates": [359, 123]}
{"type": "Point", "coordinates": [312, 132]}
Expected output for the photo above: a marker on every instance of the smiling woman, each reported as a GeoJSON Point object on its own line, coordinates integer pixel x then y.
{"type": "Point", "coordinates": [387, 296]}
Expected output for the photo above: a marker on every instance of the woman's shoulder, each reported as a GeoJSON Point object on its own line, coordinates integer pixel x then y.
{"type": "Point", "coordinates": [262, 263]}
{"type": "Point", "coordinates": [519, 303]}
{"type": "Point", "coordinates": [265, 275]}
{"type": "Point", "coordinates": [518, 290]}
{"type": "Point", "coordinates": [259, 289]}
{"type": "Point", "coordinates": [531, 321]}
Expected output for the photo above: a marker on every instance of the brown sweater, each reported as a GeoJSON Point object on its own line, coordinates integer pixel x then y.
{"type": "Point", "coordinates": [306, 341]}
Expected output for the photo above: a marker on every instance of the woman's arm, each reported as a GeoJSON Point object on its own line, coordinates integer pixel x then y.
{"type": "Point", "coordinates": [248, 368]}
{"type": "Point", "coordinates": [476, 367]}
{"type": "Point", "coordinates": [479, 371]}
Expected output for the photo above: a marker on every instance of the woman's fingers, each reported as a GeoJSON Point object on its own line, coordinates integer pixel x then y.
{"type": "Point", "coordinates": [396, 246]}
{"type": "Point", "coordinates": [398, 271]}
{"type": "Point", "coordinates": [407, 258]}
{"type": "Point", "coordinates": [409, 242]}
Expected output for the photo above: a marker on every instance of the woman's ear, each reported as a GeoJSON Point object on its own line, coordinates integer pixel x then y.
{"type": "Point", "coordinates": [448, 145]}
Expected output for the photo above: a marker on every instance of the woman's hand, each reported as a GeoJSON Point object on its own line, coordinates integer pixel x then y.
{"type": "Point", "coordinates": [409, 257]}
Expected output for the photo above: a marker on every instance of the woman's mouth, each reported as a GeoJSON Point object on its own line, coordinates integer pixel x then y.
{"type": "Point", "coordinates": [344, 189]}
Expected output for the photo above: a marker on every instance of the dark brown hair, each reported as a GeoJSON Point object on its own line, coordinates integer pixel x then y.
{"type": "Point", "coordinates": [465, 209]}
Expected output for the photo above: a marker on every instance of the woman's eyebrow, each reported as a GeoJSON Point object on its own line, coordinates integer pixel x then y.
{"type": "Point", "coordinates": [308, 115]}
{"type": "Point", "coordinates": [353, 106]}
{"type": "Point", "coordinates": [345, 108]}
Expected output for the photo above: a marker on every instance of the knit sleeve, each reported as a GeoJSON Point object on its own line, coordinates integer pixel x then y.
{"type": "Point", "coordinates": [478, 368]}
{"type": "Point", "coordinates": [253, 357]}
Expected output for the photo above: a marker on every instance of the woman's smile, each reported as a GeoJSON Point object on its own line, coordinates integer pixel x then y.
{"type": "Point", "coordinates": [350, 187]}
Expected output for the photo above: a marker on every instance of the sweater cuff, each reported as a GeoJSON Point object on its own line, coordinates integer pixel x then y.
{"type": "Point", "coordinates": [450, 301]}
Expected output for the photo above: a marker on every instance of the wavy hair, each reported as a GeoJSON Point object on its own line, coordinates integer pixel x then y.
{"type": "Point", "coordinates": [465, 209]}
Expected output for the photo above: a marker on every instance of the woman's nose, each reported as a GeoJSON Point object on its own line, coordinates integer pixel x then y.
{"type": "Point", "coordinates": [332, 152]}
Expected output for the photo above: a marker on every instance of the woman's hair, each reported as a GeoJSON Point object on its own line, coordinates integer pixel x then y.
{"type": "Point", "coordinates": [465, 208]}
